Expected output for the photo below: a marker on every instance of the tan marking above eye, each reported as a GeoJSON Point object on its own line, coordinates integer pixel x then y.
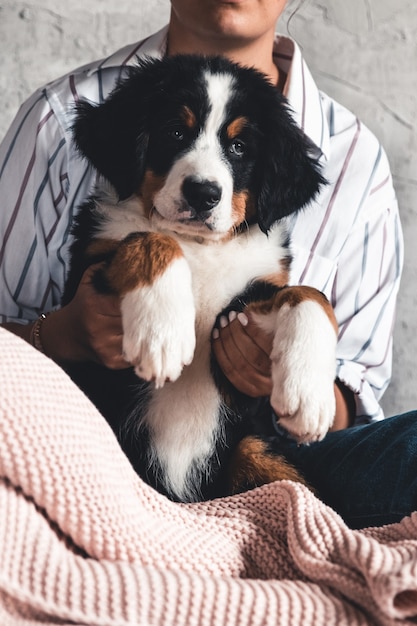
{"type": "Point", "coordinates": [188, 117]}
{"type": "Point", "coordinates": [235, 128]}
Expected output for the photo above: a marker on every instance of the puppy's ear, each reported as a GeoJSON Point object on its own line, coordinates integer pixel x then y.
{"type": "Point", "coordinates": [112, 137]}
{"type": "Point", "coordinates": [291, 175]}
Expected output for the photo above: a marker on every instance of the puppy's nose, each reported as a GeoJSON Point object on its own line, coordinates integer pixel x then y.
{"type": "Point", "coordinates": [201, 195]}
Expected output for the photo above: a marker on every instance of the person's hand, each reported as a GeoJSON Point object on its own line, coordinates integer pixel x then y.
{"type": "Point", "coordinates": [242, 351]}
{"type": "Point", "coordinates": [89, 328]}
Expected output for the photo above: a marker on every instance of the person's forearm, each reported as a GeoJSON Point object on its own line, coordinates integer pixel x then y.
{"type": "Point", "coordinates": [53, 338]}
{"type": "Point", "coordinates": [21, 330]}
{"type": "Point", "coordinates": [88, 329]}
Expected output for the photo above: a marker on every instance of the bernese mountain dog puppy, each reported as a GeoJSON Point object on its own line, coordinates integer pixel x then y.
{"type": "Point", "coordinates": [200, 161]}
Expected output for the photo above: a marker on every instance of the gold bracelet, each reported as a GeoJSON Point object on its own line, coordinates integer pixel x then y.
{"type": "Point", "coordinates": [35, 333]}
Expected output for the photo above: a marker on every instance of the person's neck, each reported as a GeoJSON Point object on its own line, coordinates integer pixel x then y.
{"type": "Point", "coordinates": [257, 54]}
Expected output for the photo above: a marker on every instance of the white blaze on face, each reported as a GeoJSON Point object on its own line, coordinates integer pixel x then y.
{"type": "Point", "coordinates": [204, 161]}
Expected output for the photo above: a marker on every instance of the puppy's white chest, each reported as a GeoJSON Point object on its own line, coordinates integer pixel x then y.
{"type": "Point", "coordinates": [222, 271]}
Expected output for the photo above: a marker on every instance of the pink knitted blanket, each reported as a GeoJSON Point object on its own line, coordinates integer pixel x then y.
{"type": "Point", "coordinates": [84, 541]}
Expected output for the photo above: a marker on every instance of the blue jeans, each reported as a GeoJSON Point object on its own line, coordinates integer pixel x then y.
{"type": "Point", "coordinates": [368, 474]}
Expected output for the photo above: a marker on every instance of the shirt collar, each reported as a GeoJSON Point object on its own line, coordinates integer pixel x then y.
{"type": "Point", "coordinates": [153, 46]}
{"type": "Point", "coordinates": [300, 88]}
{"type": "Point", "coordinates": [302, 94]}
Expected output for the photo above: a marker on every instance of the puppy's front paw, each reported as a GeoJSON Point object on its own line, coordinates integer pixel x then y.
{"type": "Point", "coordinates": [303, 371]}
{"type": "Point", "coordinates": [159, 325]}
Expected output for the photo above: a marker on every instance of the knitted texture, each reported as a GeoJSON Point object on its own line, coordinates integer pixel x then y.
{"type": "Point", "coordinates": [84, 541]}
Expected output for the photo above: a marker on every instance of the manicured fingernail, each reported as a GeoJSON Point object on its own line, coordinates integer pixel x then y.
{"type": "Point", "coordinates": [232, 316]}
{"type": "Point", "coordinates": [223, 321]}
{"type": "Point", "coordinates": [215, 333]}
{"type": "Point", "coordinates": [243, 319]}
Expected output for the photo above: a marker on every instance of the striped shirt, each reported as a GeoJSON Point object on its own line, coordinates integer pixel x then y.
{"type": "Point", "coordinates": [348, 243]}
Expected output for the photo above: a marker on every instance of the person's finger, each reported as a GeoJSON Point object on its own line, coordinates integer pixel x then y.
{"type": "Point", "coordinates": [260, 340]}
{"type": "Point", "coordinates": [252, 384]}
{"type": "Point", "coordinates": [106, 304]}
{"type": "Point", "coordinates": [235, 364]}
{"type": "Point", "coordinates": [258, 335]}
{"type": "Point", "coordinates": [254, 353]}
{"type": "Point", "coordinates": [245, 343]}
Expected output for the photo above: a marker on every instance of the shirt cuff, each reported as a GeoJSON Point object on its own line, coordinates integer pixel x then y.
{"type": "Point", "coordinates": [368, 409]}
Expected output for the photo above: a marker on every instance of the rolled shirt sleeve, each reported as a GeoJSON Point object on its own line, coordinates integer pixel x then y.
{"type": "Point", "coordinates": [34, 195]}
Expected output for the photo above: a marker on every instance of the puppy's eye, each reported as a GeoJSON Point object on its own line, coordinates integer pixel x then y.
{"type": "Point", "coordinates": [177, 134]}
{"type": "Point", "coordinates": [237, 148]}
